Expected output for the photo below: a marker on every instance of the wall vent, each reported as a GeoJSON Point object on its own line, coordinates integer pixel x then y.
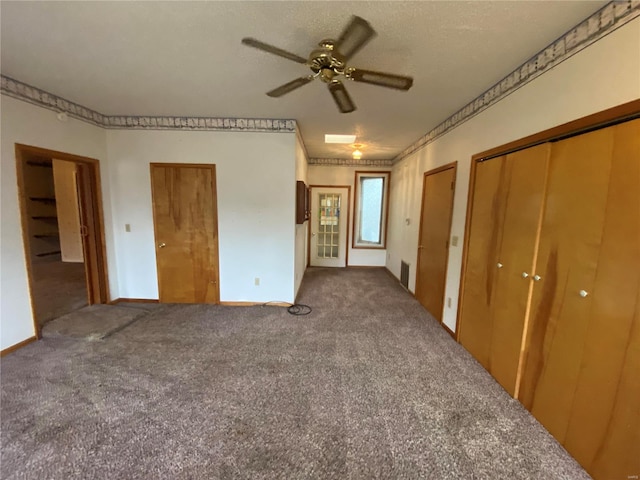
{"type": "Point", "coordinates": [404, 274]}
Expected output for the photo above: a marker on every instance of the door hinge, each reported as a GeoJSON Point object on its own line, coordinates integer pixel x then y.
{"type": "Point", "coordinates": [453, 184]}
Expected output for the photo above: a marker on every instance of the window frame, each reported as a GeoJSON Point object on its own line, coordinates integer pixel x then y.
{"type": "Point", "coordinates": [384, 215]}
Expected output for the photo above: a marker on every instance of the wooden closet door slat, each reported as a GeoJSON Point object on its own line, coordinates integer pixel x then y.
{"type": "Point", "coordinates": [523, 205]}
{"type": "Point", "coordinates": [567, 261]}
{"type": "Point", "coordinates": [483, 244]}
{"type": "Point", "coordinates": [604, 428]}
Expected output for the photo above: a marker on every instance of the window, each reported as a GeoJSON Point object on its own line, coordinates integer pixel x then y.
{"type": "Point", "coordinates": [370, 222]}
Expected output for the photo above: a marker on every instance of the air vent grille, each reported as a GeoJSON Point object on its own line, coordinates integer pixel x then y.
{"type": "Point", "coordinates": [404, 274]}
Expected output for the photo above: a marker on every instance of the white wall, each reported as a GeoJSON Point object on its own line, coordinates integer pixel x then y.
{"type": "Point", "coordinates": [301, 230]}
{"type": "Point", "coordinates": [255, 175]}
{"type": "Point", "coordinates": [30, 125]}
{"type": "Point", "coordinates": [343, 176]}
{"type": "Point", "coordinates": [604, 75]}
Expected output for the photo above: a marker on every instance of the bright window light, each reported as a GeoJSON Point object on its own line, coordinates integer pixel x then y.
{"type": "Point", "coordinates": [371, 209]}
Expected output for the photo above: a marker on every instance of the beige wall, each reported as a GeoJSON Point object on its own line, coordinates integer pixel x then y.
{"type": "Point", "coordinates": [603, 75]}
{"type": "Point", "coordinates": [27, 124]}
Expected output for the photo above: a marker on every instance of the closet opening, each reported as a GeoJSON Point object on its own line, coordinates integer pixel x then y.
{"type": "Point", "coordinates": [62, 230]}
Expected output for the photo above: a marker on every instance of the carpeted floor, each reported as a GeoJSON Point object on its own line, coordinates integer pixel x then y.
{"type": "Point", "coordinates": [58, 288]}
{"type": "Point", "coordinates": [366, 386]}
{"type": "Point", "coordinates": [97, 322]}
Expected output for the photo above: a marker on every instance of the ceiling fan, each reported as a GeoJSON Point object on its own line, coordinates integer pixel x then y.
{"type": "Point", "coordinates": [329, 63]}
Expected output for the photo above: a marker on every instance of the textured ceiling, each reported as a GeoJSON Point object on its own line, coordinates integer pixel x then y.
{"type": "Point", "coordinates": [186, 59]}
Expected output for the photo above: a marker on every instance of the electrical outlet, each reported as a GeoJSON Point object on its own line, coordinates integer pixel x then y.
{"type": "Point", "coordinates": [448, 302]}
{"type": "Point", "coordinates": [127, 227]}
{"type": "Point", "coordinates": [454, 241]}
{"type": "Point", "coordinates": [257, 281]}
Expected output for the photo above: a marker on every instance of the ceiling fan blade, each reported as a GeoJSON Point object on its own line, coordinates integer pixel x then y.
{"type": "Point", "coordinates": [354, 36]}
{"type": "Point", "coordinates": [341, 97]}
{"type": "Point", "coordinates": [292, 85]}
{"type": "Point", "coordinates": [389, 80]}
{"type": "Point", "coordinates": [252, 42]}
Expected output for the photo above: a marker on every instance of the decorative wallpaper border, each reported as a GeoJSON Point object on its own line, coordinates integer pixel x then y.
{"type": "Point", "coordinates": [34, 95]}
{"type": "Point", "coordinates": [609, 18]}
{"type": "Point", "coordinates": [349, 162]}
{"type": "Point", "coordinates": [612, 16]}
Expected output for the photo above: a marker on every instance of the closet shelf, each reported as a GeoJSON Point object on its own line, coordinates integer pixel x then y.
{"type": "Point", "coordinates": [34, 163]}
{"type": "Point", "coordinates": [46, 235]}
{"type": "Point", "coordinates": [50, 200]}
{"type": "Point", "coordinates": [46, 254]}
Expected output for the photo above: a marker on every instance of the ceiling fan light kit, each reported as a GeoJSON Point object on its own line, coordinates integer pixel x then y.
{"type": "Point", "coordinates": [329, 63]}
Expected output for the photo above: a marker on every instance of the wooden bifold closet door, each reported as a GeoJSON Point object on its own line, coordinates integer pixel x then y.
{"type": "Point", "coordinates": [581, 374]}
{"type": "Point", "coordinates": [551, 293]}
{"type": "Point", "coordinates": [505, 221]}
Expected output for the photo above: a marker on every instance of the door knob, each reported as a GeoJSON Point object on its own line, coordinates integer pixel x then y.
{"type": "Point", "coordinates": [525, 274]}
{"type": "Point", "coordinates": [162, 245]}
{"type": "Point", "coordinates": [583, 293]}
{"type": "Point", "coordinates": [500, 265]}
{"type": "Point", "coordinates": [537, 278]}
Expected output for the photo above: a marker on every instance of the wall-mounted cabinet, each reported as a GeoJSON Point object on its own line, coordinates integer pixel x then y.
{"type": "Point", "coordinates": [302, 202]}
{"type": "Point", "coordinates": [551, 291]}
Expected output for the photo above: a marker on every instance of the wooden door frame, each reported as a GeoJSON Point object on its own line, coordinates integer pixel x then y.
{"type": "Point", "coordinates": [605, 118]}
{"type": "Point", "coordinates": [443, 168]}
{"type": "Point", "coordinates": [214, 193]}
{"type": "Point", "coordinates": [311, 187]}
{"type": "Point", "coordinates": [97, 281]}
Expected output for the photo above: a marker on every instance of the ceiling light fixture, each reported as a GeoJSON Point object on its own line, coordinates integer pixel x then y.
{"type": "Point", "coordinates": [357, 154]}
{"type": "Point", "coordinates": [332, 138]}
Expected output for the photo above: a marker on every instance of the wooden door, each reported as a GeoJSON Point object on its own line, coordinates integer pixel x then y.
{"type": "Point", "coordinates": [567, 262]}
{"type": "Point", "coordinates": [486, 206]}
{"type": "Point", "coordinates": [90, 224]}
{"type": "Point", "coordinates": [186, 232]}
{"type": "Point", "coordinates": [603, 432]}
{"type": "Point", "coordinates": [329, 226]}
{"type": "Point", "coordinates": [518, 233]}
{"type": "Point", "coordinates": [433, 245]}
{"type": "Point", "coordinates": [68, 210]}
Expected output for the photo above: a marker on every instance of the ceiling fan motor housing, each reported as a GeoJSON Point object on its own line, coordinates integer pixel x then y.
{"type": "Point", "coordinates": [326, 61]}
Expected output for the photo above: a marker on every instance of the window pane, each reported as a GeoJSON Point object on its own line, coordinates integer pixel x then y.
{"type": "Point", "coordinates": [371, 209]}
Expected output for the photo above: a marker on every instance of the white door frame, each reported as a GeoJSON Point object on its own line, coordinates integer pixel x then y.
{"type": "Point", "coordinates": [345, 210]}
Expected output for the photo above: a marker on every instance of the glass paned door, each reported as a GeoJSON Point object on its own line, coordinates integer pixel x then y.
{"type": "Point", "coordinates": [328, 225]}
{"type": "Point", "coordinates": [329, 207]}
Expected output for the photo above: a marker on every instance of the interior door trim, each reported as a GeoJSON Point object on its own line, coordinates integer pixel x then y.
{"type": "Point", "coordinates": [98, 287]}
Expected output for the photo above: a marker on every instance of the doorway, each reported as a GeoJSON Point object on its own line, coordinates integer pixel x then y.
{"type": "Point", "coordinates": [62, 230]}
{"type": "Point", "coordinates": [185, 222]}
{"type": "Point", "coordinates": [329, 226]}
{"type": "Point", "coordinates": [433, 244]}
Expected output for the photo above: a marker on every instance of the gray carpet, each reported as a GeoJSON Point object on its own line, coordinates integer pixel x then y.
{"type": "Point", "coordinates": [366, 386]}
{"type": "Point", "coordinates": [95, 322]}
{"type": "Point", "coordinates": [58, 288]}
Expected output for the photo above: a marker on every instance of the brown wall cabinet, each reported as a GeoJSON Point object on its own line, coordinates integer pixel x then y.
{"type": "Point", "coordinates": [551, 291]}
{"type": "Point", "coordinates": [302, 202]}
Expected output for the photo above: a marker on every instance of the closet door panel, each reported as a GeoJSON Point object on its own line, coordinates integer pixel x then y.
{"type": "Point", "coordinates": [567, 261]}
{"type": "Point", "coordinates": [604, 428]}
{"type": "Point", "coordinates": [617, 455]}
{"type": "Point", "coordinates": [524, 197]}
{"type": "Point", "coordinates": [480, 269]}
